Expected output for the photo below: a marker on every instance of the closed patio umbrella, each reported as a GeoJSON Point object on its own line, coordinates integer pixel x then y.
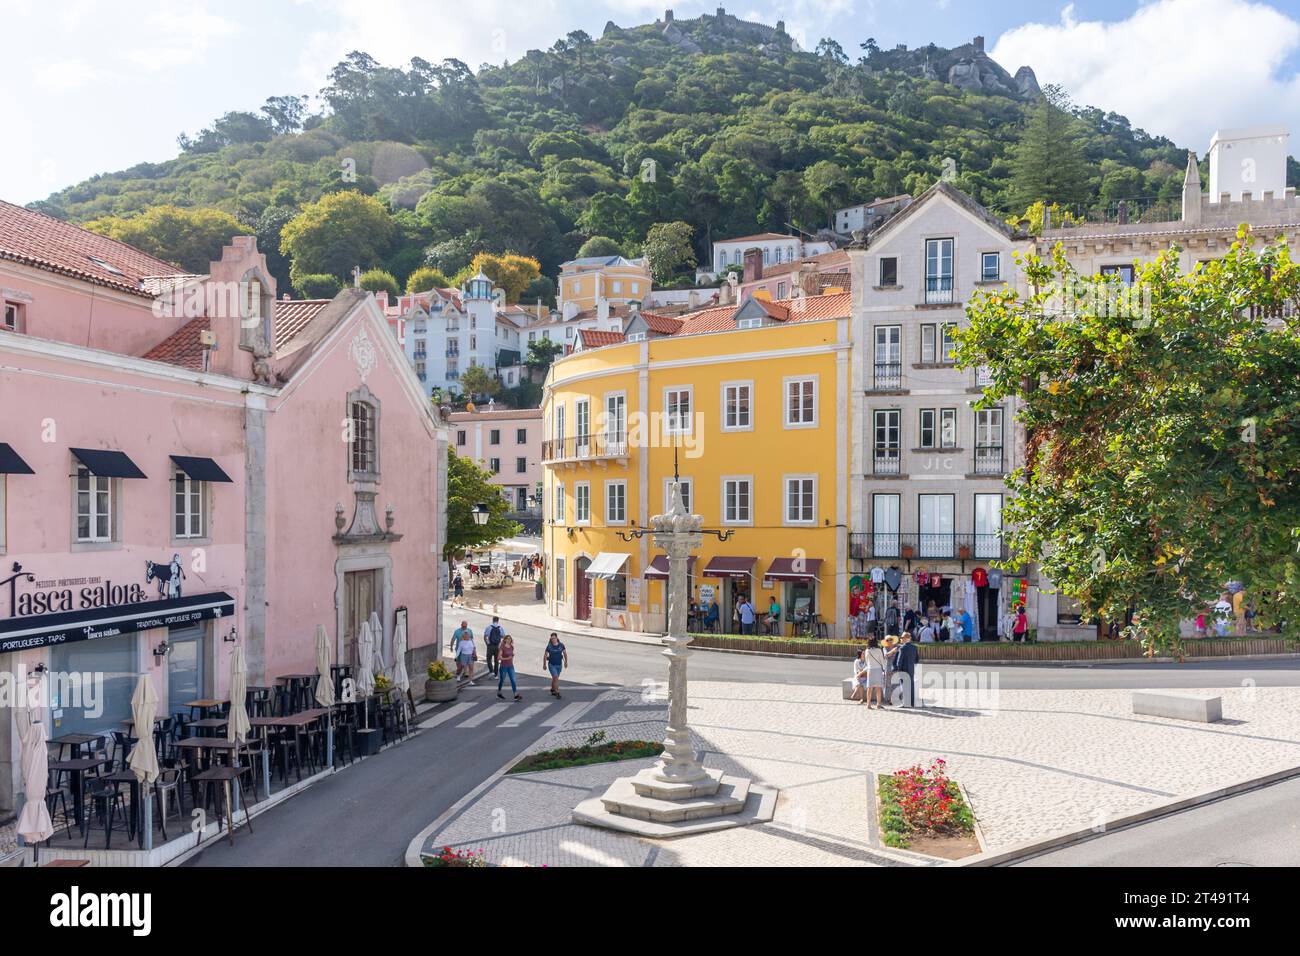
{"type": "Point", "coordinates": [144, 710]}
{"type": "Point", "coordinates": [366, 666]}
{"type": "Point", "coordinates": [325, 680]}
{"type": "Point", "coordinates": [401, 679]}
{"type": "Point", "coordinates": [237, 725]}
{"type": "Point", "coordinates": [34, 823]}
{"type": "Point", "coordinates": [377, 630]}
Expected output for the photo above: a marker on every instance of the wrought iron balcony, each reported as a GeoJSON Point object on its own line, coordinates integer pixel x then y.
{"type": "Point", "coordinates": [938, 290]}
{"type": "Point", "coordinates": [886, 460]}
{"type": "Point", "coordinates": [989, 460]}
{"type": "Point", "coordinates": [909, 546]}
{"type": "Point", "coordinates": [887, 377]}
{"type": "Point", "coordinates": [585, 448]}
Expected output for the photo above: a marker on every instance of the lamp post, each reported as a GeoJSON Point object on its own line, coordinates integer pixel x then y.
{"type": "Point", "coordinates": [481, 514]}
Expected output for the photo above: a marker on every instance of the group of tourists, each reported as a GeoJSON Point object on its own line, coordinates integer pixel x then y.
{"type": "Point", "coordinates": [527, 569]}
{"type": "Point", "coordinates": [929, 625]}
{"type": "Point", "coordinates": [500, 656]}
{"type": "Point", "coordinates": [886, 662]}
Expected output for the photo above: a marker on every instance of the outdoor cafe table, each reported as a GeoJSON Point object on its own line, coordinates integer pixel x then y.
{"type": "Point", "coordinates": [206, 724]}
{"type": "Point", "coordinates": [298, 722]}
{"type": "Point", "coordinates": [75, 741]}
{"type": "Point", "coordinates": [299, 686]}
{"type": "Point", "coordinates": [203, 705]}
{"type": "Point", "coordinates": [78, 767]}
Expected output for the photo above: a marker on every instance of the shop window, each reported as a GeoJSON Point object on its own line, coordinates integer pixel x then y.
{"type": "Point", "coordinates": [616, 593]}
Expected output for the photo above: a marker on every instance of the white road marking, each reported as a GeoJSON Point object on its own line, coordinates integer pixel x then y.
{"type": "Point", "coordinates": [566, 714]}
{"type": "Point", "coordinates": [455, 710]}
{"type": "Point", "coordinates": [484, 715]}
{"type": "Point", "coordinates": [525, 715]}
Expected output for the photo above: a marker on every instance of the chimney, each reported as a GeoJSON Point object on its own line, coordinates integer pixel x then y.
{"type": "Point", "coordinates": [1192, 190]}
{"type": "Point", "coordinates": [753, 265]}
{"type": "Point", "coordinates": [1123, 212]}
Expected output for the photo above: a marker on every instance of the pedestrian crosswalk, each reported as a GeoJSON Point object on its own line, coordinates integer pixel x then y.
{"type": "Point", "coordinates": [486, 713]}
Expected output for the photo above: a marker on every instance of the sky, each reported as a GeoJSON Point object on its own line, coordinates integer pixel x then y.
{"type": "Point", "coordinates": [93, 86]}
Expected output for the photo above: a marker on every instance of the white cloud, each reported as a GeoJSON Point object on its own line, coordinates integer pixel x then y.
{"type": "Point", "coordinates": [1181, 68]}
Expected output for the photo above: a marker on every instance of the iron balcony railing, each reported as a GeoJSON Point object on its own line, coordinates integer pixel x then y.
{"type": "Point", "coordinates": [938, 289]}
{"type": "Point", "coordinates": [585, 447]}
{"type": "Point", "coordinates": [869, 546]}
{"type": "Point", "coordinates": [886, 460]}
{"type": "Point", "coordinates": [888, 376]}
{"type": "Point", "coordinates": [989, 460]}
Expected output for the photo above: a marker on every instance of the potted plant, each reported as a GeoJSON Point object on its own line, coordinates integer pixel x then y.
{"type": "Point", "coordinates": [963, 551]}
{"type": "Point", "coordinates": [441, 685]}
{"type": "Point", "coordinates": [907, 551]}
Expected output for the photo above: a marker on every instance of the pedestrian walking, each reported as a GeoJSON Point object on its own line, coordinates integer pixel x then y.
{"type": "Point", "coordinates": [458, 586]}
{"type": "Point", "coordinates": [555, 658]}
{"type": "Point", "coordinates": [466, 655]}
{"type": "Point", "coordinates": [1020, 630]}
{"type": "Point", "coordinates": [454, 646]}
{"type": "Point", "coordinates": [507, 667]}
{"type": "Point", "coordinates": [492, 635]}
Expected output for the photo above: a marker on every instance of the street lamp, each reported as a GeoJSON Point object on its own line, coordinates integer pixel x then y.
{"type": "Point", "coordinates": [481, 514]}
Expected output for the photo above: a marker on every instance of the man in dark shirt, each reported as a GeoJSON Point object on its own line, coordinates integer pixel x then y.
{"type": "Point", "coordinates": [905, 667]}
{"type": "Point", "coordinates": [492, 635]}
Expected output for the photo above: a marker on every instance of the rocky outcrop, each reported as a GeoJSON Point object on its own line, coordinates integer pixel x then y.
{"type": "Point", "coordinates": [1027, 82]}
{"type": "Point", "coordinates": [967, 67]}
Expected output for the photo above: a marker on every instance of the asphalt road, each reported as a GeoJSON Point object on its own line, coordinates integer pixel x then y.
{"type": "Point", "coordinates": [1259, 828]}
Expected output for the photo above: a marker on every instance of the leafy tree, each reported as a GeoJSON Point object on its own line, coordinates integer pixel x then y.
{"type": "Point", "coordinates": [541, 289]}
{"type": "Point", "coordinates": [337, 233]}
{"type": "Point", "coordinates": [319, 286]}
{"type": "Point", "coordinates": [541, 353]}
{"type": "Point", "coordinates": [285, 113]}
{"type": "Point", "coordinates": [468, 488]}
{"type": "Point", "coordinates": [377, 280]}
{"type": "Point", "coordinates": [831, 50]}
{"type": "Point", "coordinates": [191, 238]}
{"type": "Point", "coordinates": [1049, 162]}
{"type": "Point", "coordinates": [599, 247]}
{"type": "Point", "coordinates": [477, 382]}
{"type": "Point", "coordinates": [513, 273]}
{"type": "Point", "coordinates": [426, 278]}
{"type": "Point", "coordinates": [1163, 457]}
{"type": "Point", "coordinates": [667, 246]}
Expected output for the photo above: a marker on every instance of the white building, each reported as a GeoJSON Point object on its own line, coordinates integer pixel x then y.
{"type": "Point", "coordinates": [445, 331]}
{"type": "Point", "coordinates": [775, 247]}
{"type": "Point", "coordinates": [868, 215]}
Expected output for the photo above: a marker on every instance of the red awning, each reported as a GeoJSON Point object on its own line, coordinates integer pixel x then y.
{"type": "Point", "coordinates": [794, 569]}
{"type": "Point", "coordinates": [726, 567]}
{"type": "Point", "coordinates": [658, 569]}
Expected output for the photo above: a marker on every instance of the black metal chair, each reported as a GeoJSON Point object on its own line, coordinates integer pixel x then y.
{"type": "Point", "coordinates": [103, 800]}
{"type": "Point", "coordinates": [166, 789]}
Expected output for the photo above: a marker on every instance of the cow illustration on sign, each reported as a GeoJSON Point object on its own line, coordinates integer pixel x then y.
{"type": "Point", "coordinates": [168, 576]}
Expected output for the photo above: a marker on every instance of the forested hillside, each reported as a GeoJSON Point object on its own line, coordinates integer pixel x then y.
{"type": "Point", "coordinates": [715, 123]}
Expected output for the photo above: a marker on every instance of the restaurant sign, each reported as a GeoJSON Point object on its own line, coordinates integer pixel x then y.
{"type": "Point", "coordinates": [61, 610]}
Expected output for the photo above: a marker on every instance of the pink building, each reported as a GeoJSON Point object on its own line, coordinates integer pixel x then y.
{"type": "Point", "coordinates": [186, 462]}
{"type": "Point", "coordinates": [508, 443]}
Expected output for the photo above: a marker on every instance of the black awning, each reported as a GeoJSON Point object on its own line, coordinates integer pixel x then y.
{"type": "Point", "coordinates": [107, 464]}
{"type": "Point", "coordinates": [65, 627]}
{"type": "Point", "coordinates": [200, 469]}
{"type": "Point", "coordinates": [11, 463]}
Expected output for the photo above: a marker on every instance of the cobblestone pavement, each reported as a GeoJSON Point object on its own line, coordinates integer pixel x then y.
{"type": "Point", "coordinates": [1034, 762]}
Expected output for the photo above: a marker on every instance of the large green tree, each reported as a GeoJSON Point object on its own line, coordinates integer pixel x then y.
{"type": "Point", "coordinates": [1048, 163]}
{"type": "Point", "coordinates": [191, 238]}
{"type": "Point", "coordinates": [341, 231]}
{"type": "Point", "coordinates": [468, 487]}
{"type": "Point", "coordinates": [1163, 428]}
{"type": "Point", "coordinates": [667, 246]}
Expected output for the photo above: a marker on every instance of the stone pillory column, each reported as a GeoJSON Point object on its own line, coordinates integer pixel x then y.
{"type": "Point", "coordinates": [678, 534]}
{"type": "Point", "coordinates": [678, 795]}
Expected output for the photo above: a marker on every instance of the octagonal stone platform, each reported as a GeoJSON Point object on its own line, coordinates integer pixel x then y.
{"type": "Point", "coordinates": [733, 802]}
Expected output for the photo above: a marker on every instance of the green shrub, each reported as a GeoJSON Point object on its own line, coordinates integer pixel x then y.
{"type": "Point", "coordinates": [317, 286]}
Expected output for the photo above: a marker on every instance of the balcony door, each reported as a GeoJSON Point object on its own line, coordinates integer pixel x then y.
{"type": "Point", "coordinates": [615, 424]}
{"type": "Point", "coordinates": [988, 526]}
{"type": "Point", "coordinates": [888, 371]}
{"type": "Point", "coordinates": [885, 525]}
{"type": "Point", "coordinates": [938, 270]}
{"type": "Point", "coordinates": [887, 450]}
{"type": "Point", "coordinates": [582, 427]}
{"type": "Point", "coordinates": [988, 441]}
{"type": "Point", "coordinates": [937, 526]}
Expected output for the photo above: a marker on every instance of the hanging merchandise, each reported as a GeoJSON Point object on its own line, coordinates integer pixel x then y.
{"type": "Point", "coordinates": [936, 580]}
{"type": "Point", "coordinates": [980, 578]}
{"type": "Point", "coordinates": [995, 579]}
{"type": "Point", "coordinates": [893, 578]}
{"type": "Point", "coordinates": [877, 575]}
{"type": "Point", "coordinates": [855, 583]}
{"type": "Point", "coordinates": [922, 578]}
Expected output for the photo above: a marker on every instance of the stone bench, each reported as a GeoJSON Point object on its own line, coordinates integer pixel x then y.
{"type": "Point", "coordinates": [846, 688]}
{"type": "Point", "coordinates": [1201, 708]}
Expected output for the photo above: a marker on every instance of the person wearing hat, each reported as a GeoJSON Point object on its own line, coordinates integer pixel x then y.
{"type": "Point", "coordinates": [905, 659]}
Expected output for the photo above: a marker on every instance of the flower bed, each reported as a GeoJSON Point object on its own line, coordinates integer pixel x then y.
{"type": "Point", "coordinates": [921, 809]}
{"type": "Point", "coordinates": [451, 857]}
{"type": "Point", "coordinates": [595, 750]}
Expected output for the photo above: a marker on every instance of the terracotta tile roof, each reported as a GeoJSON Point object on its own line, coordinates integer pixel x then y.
{"type": "Point", "coordinates": [595, 338]}
{"type": "Point", "coordinates": [292, 316]}
{"type": "Point", "coordinates": [663, 324]}
{"type": "Point", "coordinates": [182, 347]}
{"type": "Point", "coordinates": [39, 241]}
{"type": "Point", "coordinates": [834, 260]}
{"type": "Point", "coordinates": [759, 237]}
{"type": "Point", "coordinates": [810, 308]}
{"type": "Point", "coordinates": [495, 414]}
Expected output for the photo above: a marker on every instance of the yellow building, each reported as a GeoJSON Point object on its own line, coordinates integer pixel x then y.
{"type": "Point", "coordinates": [583, 283]}
{"type": "Point", "coordinates": [750, 404]}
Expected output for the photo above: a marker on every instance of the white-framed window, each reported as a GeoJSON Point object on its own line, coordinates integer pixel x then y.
{"type": "Point", "coordinates": [885, 537]}
{"type": "Point", "coordinates": [521, 436]}
{"type": "Point", "coordinates": [988, 525]}
{"type": "Point", "coordinates": [947, 342]}
{"type": "Point", "coordinates": [753, 322]}
{"type": "Point", "coordinates": [13, 320]}
{"type": "Point", "coordinates": [800, 499]}
{"type": "Point", "coordinates": [636, 336]}
{"type": "Point", "coordinates": [582, 423]}
{"type": "Point", "coordinates": [801, 402]}
{"type": "Point", "coordinates": [688, 494]}
{"type": "Point", "coordinates": [615, 422]}
{"type": "Point", "coordinates": [494, 465]}
{"type": "Point", "coordinates": [936, 525]}
{"type": "Point", "coordinates": [678, 405]}
{"type": "Point", "coordinates": [94, 507]}
{"type": "Point", "coordinates": [737, 406]}
{"type": "Point", "coordinates": [559, 424]}
{"type": "Point", "coordinates": [616, 502]}
{"type": "Point", "coordinates": [938, 428]}
{"type": "Point", "coordinates": [618, 287]}
{"type": "Point", "coordinates": [990, 267]}
{"type": "Point", "coordinates": [929, 334]}
{"type": "Point", "coordinates": [365, 458]}
{"type": "Point", "coordinates": [888, 271]}
{"type": "Point", "coordinates": [947, 428]}
{"type": "Point", "coordinates": [557, 507]}
{"type": "Point", "coordinates": [738, 499]}
{"type": "Point", "coordinates": [460, 438]}
{"type": "Point", "coordinates": [781, 289]}
{"type": "Point", "coordinates": [189, 514]}
{"type": "Point", "coordinates": [1125, 273]}
{"type": "Point", "coordinates": [636, 288]}
{"type": "Point", "coordinates": [582, 503]}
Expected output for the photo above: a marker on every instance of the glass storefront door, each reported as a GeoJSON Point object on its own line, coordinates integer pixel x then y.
{"type": "Point", "coordinates": [185, 670]}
